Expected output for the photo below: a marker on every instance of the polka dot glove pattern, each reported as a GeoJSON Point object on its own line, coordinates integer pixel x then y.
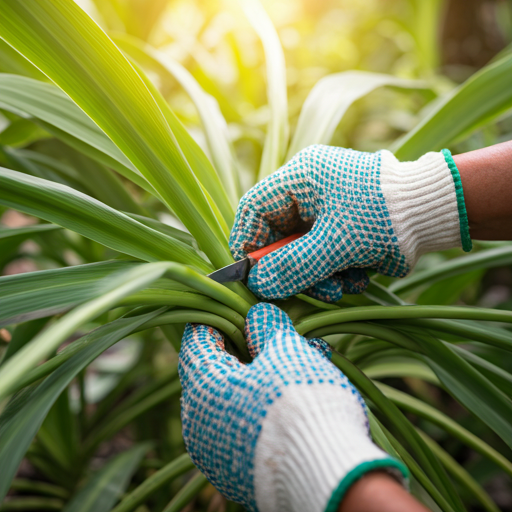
{"type": "Point", "coordinates": [354, 204]}
{"type": "Point", "coordinates": [225, 403]}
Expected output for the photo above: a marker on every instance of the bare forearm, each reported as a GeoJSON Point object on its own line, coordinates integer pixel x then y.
{"type": "Point", "coordinates": [486, 176]}
{"type": "Point", "coordinates": [378, 492]}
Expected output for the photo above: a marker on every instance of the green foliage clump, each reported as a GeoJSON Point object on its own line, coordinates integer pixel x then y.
{"type": "Point", "coordinates": [99, 164]}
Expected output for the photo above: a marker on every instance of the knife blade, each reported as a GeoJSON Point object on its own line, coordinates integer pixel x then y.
{"type": "Point", "coordinates": [239, 271]}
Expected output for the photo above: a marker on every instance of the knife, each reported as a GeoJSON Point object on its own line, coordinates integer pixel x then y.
{"type": "Point", "coordinates": [239, 271]}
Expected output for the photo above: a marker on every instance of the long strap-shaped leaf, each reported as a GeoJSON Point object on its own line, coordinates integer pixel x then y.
{"type": "Point", "coordinates": [356, 314]}
{"type": "Point", "coordinates": [498, 257]}
{"type": "Point", "coordinates": [214, 124]}
{"type": "Point", "coordinates": [104, 488]}
{"type": "Point", "coordinates": [477, 101]}
{"type": "Point", "coordinates": [276, 140]}
{"type": "Point", "coordinates": [205, 173]}
{"type": "Point", "coordinates": [187, 493]}
{"type": "Point", "coordinates": [44, 293]}
{"type": "Point", "coordinates": [460, 474]}
{"type": "Point", "coordinates": [78, 212]}
{"type": "Point", "coordinates": [411, 404]}
{"type": "Point", "coordinates": [163, 476]}
{"type": "Point", "coordinates": [424, 456]}
{"type": "Point", "coordinates": [47, 103]}
{"type": "Point", "coordinates": [68, 46]}
{"type": "Point", "coordinates": [329, 100]}
{"type": "Point", "coordinates": [465, 383]}
{"type": "Point", "coordinates": [23, 416]}
{"type": "Point", "coordinates": [85, 174]}
{"type": "Point", "coordinates": [119, 286]}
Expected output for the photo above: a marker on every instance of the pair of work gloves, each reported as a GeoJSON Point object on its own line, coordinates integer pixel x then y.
{"type": "Point", "coordinates": [289, 432]}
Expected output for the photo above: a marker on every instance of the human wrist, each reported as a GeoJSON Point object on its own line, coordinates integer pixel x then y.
{"type": "Point", "coordinates": [425, 203]}
{"type": "Point", "coordinates": [485, 176]}
{"type": "Point", "coordinates": [314, 445]}
{"type": "Point", "coordinates": [377, 491]}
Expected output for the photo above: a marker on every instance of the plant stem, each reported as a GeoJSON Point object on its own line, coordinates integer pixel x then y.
{"type": "Point", "coordinates": [209, 287]}
{"type": "Point", "coordinates": [430, 464]}
{"type": "Point", "coordinates": [37, 504]}
{"type": "Point", "coordinates": [119, 421]}
{"type": "Point", "coordinates": [199, 317]}
{"type": "Point", "coordinates": [32, 486]}
{"type": "Point", "coordinates": [169, 472]}
{"type": "Point", "coordinates": [157, 297]}
{"type": "Point", "coordinates": [187, 493]}
{"type": "Point", "coordinates": [308, 324]}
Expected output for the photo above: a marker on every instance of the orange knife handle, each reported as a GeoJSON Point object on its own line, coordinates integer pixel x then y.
{"type": "Point", "coordinates": [257, 255]}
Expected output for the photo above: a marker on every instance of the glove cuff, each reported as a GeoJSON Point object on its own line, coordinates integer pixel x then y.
{"type": "Point", "coordinates": [425, 203]}
{"type": "Point", "coordinates": [314, 444]}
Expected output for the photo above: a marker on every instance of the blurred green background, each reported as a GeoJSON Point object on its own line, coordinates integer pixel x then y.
{"type": "Point", "coordinates": [440, 42]}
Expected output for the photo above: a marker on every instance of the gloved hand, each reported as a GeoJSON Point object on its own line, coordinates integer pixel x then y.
{"type": "Point", "coordinates": [287, 432]}
{"type": "Point", "coordinates": [367, 210]}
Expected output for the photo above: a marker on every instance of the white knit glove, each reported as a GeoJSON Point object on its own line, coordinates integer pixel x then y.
{"type": "Point", "coordinates": [367, 210]}
{"type": "Point", "coordinates": [287, 432]}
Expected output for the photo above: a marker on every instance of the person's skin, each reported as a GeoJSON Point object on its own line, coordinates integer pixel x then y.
{"type": "Point", "coordinates": [486, 176]}
{"type": "Point", "coordinates": [379, 492]}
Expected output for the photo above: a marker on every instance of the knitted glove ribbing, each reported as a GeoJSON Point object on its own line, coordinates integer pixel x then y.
{"type": "Point", "coordinates": [287, 432]}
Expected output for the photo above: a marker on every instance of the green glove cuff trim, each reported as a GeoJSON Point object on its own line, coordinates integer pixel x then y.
{"type": "Point", "coordinates": [461, 205]}
{"type": "Point", "coordinates": [352, 476]}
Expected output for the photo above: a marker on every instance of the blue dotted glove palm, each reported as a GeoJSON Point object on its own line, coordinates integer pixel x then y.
{"type": "Point", "coordinates": [287, 432]}
{"type": "Point", "coordinates": [365, 210]}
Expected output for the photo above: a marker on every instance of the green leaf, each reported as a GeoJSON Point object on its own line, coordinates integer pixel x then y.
{"type": "Point", "coordinates": [24, 414]}
{"type": "Point", "coordinates": [329, 100]}
{"type": "Point", "coordinates": [485, 333]}
{"type": "Point", "coordinates": [461, 475]}
{"type": "Point", "coordinates": [30, 503]}
{"type": "Point", "coordinates": [60, 116]}
{"type": "Point", "coordinates": [187, 493]}
{"type": "Point", "coordinates": [76, 54]}
{"type": "Point", "coordinates": [169, 472]}
{"type": "Point", "coordinates": [22, 335]}
{"type": "Point", "coordinates": [386, 438]}
{"type": "Point", "coordinates": [78, 212]}
{"type": "Point", "coordinates": [178, 234]}
{"type": "Point", "coordinates": [99, 181]}
{"type": "Point", "coordinates": [58, 435]}
{"type": "Point", "coordinates": [214, 125]}
{"type": "Point", "coordinates": [276, 139]}
{"type": "Point", "coordinates": [467, 385]}
{"type": "Point", "coordinates": [481, 98]}
{"type": "Point", "coordinates": [22, 132]}
{"type": "Point", "coordinates": [48, 292]}
{"type": "Point", "coordinates": [473, 390]}
{"type": "Point", "coordinates": [12, 62]}
{"type": "Point", "coordinates": [499, 377]}
{"type": "Point", "coordinates": [357, 314]}
{"type": "Point", "coordinates": [117, 421]}
{"type": "Point", "coordinates": [426, 459]}
{"type": "Point", "coordinates": [393, 369]}
{"type": "Point", "coordinates": [103, 489]}
{"type": "Point", "coordinates": [119, 286]}
{"type": "Point", "coordinates": [22, 161]}
{"type": "Point", "coordinates": [36, 487]}
{"type": "Point", "coordinates": [203, 169]}
{"type": "Point", "coordinates": [500, 257]}
{"type": "Point", "coordinates": [411, 404]}
{"type": "Point", "coordinates": [182, 316]}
